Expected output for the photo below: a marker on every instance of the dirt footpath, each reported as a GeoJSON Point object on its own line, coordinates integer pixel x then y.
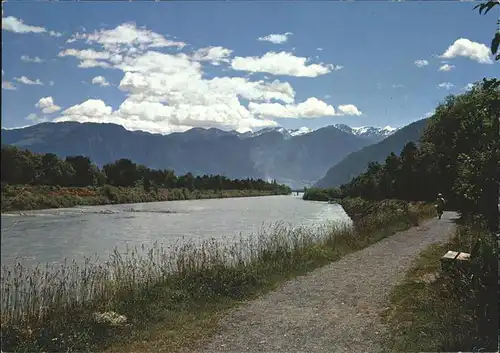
{"type": "Point", "coordinates": [334, 308]}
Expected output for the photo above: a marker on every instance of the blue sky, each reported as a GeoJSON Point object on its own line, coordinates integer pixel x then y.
{"type": "Point", "coordinates": [165, 67]}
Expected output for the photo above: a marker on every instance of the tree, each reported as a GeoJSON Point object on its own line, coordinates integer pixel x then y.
{"type": "Point", "coordinates": [495, 42]}
{"type": "Point", "coordinates": [122, 173]}
{"type": "Point", "coordinates": [84, 172]}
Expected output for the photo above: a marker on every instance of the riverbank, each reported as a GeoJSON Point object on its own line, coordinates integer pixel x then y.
{"type": "Point", "coordinates": [320, 194]}
{"type": "Point", "coordinates": [173, 298]}
{"type": "Point", "coordinates": [437, 311]}
{"type": "Point", "coordinates": [23, 197]}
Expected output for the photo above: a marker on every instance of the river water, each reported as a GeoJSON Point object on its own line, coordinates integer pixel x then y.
{"type": "Point", "coordinates": [50, 236]}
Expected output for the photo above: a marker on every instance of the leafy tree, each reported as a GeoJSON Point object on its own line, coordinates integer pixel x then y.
{"type": "Point", "coordinates": [84, 171]}
{"type": "Point", "coordinates": [495, 42]}
{"type": "Point", "coordinates": [123, 172]}
{"type": "Point", "coordinates": [23, 167]}
{"type": "Point", "coordinates": [458, 156]}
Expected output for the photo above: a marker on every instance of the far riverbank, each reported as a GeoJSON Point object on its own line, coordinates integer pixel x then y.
{"type": "Point", "coordinates": [27, 197]}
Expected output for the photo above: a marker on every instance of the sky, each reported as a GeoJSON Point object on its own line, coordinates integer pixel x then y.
{"type": "Point", "coordinates": [168, 67]}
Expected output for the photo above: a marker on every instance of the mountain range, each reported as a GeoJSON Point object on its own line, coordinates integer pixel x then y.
{"type": "Point", "coordinates": [357, 162]}
{"type": "Point", "coordinates": [296, 157]}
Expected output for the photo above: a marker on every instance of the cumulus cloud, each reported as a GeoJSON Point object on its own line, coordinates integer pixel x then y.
{"type": "Point", "coordinates": [281, 63]}
{"type": "Point", "coordinates": [421, 63]}
{"type": "Point", "coordinates": [85, 64]}
{"type": "Point", "coordinates": [100, 80]}
{"type": "Point", "coordinates": [35, 119]}
{"type": "Point", "coordinates": [311, 108]}
{"type": "Point", "coordinates": [47, 105]}
{"type": "Point", "coordinates": [27, 81]}
{"type": "Point", "coordinates": [92, 108]}
{"type": "Point", "coordinates": [348, 109]}
{"type": "Point", "coordinates": [446, 85]}
{"type": "Point", "coordinates": [276, 38]}
{"type": "Point", "coordinates": [86, 54]}
{"type": "Point", "coordinates": [16, 25]}
{"type": "Point", "coordinates": [125, 37]}
{"type": "Point", "coordinates": [446, 67]}
{"type": "Point", "coordinates": [212, 54]}
{"type": "Point", "coordinates": [466, 48]}
{"type": "Point", "coordinates": [168, 91]}
{"type": "Point", "coordinates": [28, 59]}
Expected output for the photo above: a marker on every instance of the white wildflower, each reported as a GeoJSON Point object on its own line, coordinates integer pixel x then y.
{"type": "Point", "coordinates": [110, 318]}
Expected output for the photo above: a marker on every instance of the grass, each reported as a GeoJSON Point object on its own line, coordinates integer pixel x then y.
{"type": "Point", "coordinates": [169, 298]}
{"type": "Point", "coordinates": [436, 311]}
{"type": "Point", "coordinates": [24, 197]}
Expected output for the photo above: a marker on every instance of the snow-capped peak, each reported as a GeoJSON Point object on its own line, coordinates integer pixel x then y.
{"type": "Point", "coordinates": [389, 128]}
{"type": "Point", "coordinates": [377, 133]}
{"type": "Point", "coordinates": [302, 131]}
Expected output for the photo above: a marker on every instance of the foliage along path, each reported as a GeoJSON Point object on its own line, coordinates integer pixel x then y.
{"type": "Point", "coordinates": [334, 308]}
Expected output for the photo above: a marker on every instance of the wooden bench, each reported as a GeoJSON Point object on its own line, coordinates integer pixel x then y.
{"type": "Point", "coordinates": [455, 260]}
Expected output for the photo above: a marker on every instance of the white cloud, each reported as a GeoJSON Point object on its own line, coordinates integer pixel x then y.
{"type": "Point", "coordinates": [469, 49]}
{"type": "Point", "coordinates": [276, 38]}
{"type": "Point", "coordinates": [168, 92]}
{"type": "Point", "coordinates": [446, 85]}
{"type": "Point", "coordinates": [8, 86]}
{"type": "Point", "coordinates": [100, 80]}
{"type": "Point", "coordinates": [47, 105]}
{"type": "Point", "coordinates": [213, 54]}
{"type": "Point", "coordinates": [281, 63]}
{"type": "Point", "coordinates": [421, 63]}
{"type": "Point", "coordinates": [348, 109]}
{"type": "Point", "coordinates": [15, 25]}
{"type": "Point", "coordinates": [92, 108]}
{"type": "Point", "coordinates": [51, 83]}
{"type": "Point", "coordinates": [35, 119]}
{"type": "Point", "coordinates": [311, 108]}
{"type": "Point", "coordinates": [126, 36]}
{"type": "Point", "coordinates": [86, 54]}
{"type": "Point", "coordinates": [85, 64]}
{"type": "Point", "coordinates": [397, 85]}
{"type": "Point", "coordinates": [55, 34]}
{"type": "Point", "coordinates": [89, 57]}
{"type": "Point", "coordinates": [28, 59]}
{"type": "Point", "coordinates": [319, 49]}
{"type": "Point", "coordinates": [153, 80]}
{"type": "Point", "coordinates": [446, 67]}
{"type": "Point", "coordinates": [27, 81]}
{"type": "Point", "coordinates": [469, 86]}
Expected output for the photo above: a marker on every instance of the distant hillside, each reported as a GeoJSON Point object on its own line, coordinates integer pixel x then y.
{"type": "Point", "coordinates": [357, 162]}
{"type": "Point", "coordinates": [296, 157]}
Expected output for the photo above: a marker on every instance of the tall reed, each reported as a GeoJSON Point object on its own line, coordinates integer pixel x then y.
{"type": "Point", "coordinates": [46, 306]}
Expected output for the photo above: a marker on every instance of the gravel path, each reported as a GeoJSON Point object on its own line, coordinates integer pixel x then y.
{"type": "Point", "coordinates": [334, 308]}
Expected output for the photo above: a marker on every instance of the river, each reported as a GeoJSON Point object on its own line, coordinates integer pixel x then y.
{"type": "Point", "coordinates": [50, 236]}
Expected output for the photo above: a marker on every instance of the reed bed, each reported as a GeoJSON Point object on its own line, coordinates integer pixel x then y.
{"type": "Point", "coordinates": [55, 308]}
{"type": "Point", "coordinates": [90, 306]}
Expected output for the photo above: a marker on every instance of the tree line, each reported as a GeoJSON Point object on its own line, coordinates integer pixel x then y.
{"type": "Point", "coordinates": [457, 155]}
{"type": "Point", "coordinates": [21, 166]}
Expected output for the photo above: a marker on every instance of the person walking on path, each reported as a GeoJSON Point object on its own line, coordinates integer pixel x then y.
{"type": "Point", "coordinates": [440, 202]}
